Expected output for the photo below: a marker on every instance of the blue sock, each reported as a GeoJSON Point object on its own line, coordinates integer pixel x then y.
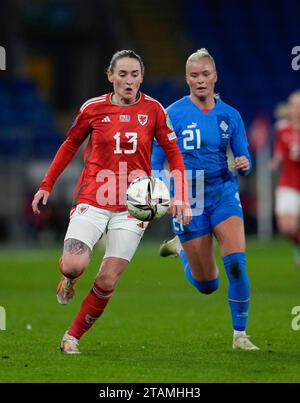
{"type": "Point", "coordinates": [206, 287]}
{"type": "Point", "coordinates": [239, 290]}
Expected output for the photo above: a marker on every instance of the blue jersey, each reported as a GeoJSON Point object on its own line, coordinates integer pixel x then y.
{"type": "Point", "coordinates": [203, 139]}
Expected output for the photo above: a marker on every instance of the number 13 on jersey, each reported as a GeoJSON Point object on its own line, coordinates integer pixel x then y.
{"type": "Point", "coordinates": [131, 139]}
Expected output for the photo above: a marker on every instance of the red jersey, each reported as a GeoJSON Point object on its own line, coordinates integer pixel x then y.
{"type": "Point", "coordinates": [118, 150]}
{"type": "Point", "coordinates": [288, 145]}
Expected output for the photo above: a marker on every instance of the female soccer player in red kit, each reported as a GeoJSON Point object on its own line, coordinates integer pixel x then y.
{"type": "Point", "coordinates": [287, 159]}
{"type": "Point", "coordinates": [120, 127]}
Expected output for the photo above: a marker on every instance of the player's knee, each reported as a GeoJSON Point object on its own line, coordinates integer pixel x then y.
{"type": "Point", "coordinates": [106, 280]}
{"type": "Point", "coordinates": [73, 266]}
{"type": "Point", "coordinates": [204, 286]}
{"type": "Point", "coordinates": [208, 287]}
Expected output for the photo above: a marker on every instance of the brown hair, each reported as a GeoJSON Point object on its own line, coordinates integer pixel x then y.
{"type": "Point", "coordinates": [125, 53]}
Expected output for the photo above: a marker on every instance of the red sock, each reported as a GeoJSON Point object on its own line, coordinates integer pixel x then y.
{"type": "Point", "coordinates": [92, 307]}
{"type": "Point", "coordinates": [295, 237]}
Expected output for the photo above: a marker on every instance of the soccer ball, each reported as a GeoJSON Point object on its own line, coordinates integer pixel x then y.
{"type": "Point", "coordinates": [147, 198]}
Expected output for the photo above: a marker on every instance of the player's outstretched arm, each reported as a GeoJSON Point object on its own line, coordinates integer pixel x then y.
{"type": "Point", "coordinates": [75, 137]}
{"type": "Point", "coordinates": [40, 194]}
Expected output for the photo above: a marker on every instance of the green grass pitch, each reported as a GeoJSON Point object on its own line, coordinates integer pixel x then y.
{"type": "Point", "coordinates": [157, 328]}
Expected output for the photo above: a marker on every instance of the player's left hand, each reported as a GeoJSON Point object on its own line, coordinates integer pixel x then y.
{"type": "Point", "coordinates": [40, 194]}
{"type": "Point", "coordinates": [242, 163]}
{"type": "Point", "coordinates": [182, 211]}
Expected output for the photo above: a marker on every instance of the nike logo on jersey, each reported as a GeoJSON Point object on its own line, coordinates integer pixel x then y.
{"type": "Point", "coordinates": [106, 119]}
{"type": "Point", "coordinates": [192, 125]}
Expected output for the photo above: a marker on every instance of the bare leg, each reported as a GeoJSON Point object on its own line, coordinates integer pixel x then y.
{"type": "Point", "coordinates": [76, 257]}
{"type": "Point", "coordinates": [199, 252]}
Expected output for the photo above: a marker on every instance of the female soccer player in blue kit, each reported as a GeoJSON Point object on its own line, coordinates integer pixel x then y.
{"type": "Point", "coordinates": [205, 127]}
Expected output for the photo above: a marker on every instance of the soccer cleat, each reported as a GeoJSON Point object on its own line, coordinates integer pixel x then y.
{"type": "Point", "coordinates": [65, 290]}
{"type": "Point", "coordinates": [69, 344]}
{"type": "Point", "coordinates": [242, 342]}
{"type": "Point", "coordinates": [170, 248]}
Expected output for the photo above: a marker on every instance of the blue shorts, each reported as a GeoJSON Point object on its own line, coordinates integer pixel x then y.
{"type": "Point", "coordinates": [220, 203]}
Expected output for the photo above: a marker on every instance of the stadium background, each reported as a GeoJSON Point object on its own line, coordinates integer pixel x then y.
{"type": "Point", "coordinates": [56, 54]}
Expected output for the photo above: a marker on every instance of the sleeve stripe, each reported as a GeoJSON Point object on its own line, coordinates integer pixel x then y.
{"type": "Point", "coordinates": [93, 101]}
{"type": "Point", "coordinates": [154, 100]}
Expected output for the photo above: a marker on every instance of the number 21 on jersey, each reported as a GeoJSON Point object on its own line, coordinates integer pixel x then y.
{"type": "Point", "coordinates": [191, 139]}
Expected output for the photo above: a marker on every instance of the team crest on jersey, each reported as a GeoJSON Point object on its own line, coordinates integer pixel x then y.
{"type": "Point", "coordinates": [143, 119]}
{"type": "Point", "coordinates": [82, 209]}
{"type": "Point", "coordinates": [224, 126]}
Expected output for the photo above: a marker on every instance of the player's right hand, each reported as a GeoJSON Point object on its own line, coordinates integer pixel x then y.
{"type": "Point", "coordinates": [40, 194]}
{"type": "Point", "coordinates": [182, 211]}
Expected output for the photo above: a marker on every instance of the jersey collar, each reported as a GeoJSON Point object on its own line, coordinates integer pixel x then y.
{"type": "Point", "coordinates": [116, 103]}
{"type": "Point", "coordinates": [217, 103]}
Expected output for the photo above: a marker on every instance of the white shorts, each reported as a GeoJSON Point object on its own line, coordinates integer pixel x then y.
{"type": "Point", "coordinates": [287, 201]}
{"type": "Point", "coordinates": [123, 232]}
